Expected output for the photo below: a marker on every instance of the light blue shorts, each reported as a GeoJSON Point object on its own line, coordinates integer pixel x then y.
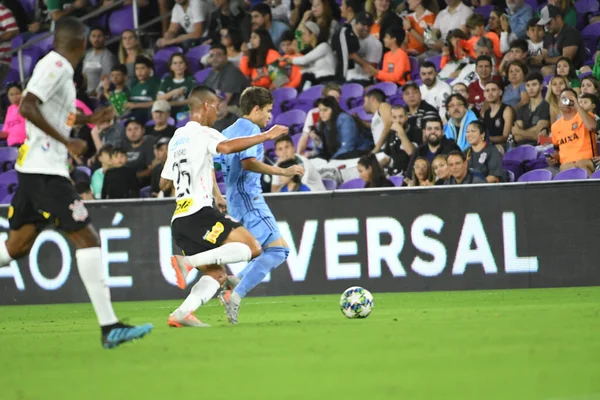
{"type": "Point", "coordinates": [261, 223]}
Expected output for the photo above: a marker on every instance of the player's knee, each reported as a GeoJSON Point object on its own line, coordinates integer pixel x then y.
{"type": "Point", "coordinates": [255, 248]}
{"type": "Point", "coordinates": [218, 273]}
{"type": "Point", "coordinates": [278, 254]}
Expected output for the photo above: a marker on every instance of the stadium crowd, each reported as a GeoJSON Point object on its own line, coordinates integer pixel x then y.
{"type": "Point", "coordinates": [376, 93]}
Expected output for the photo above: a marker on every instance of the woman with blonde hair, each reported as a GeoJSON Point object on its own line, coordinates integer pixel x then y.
{"type": "Point", "coordinates": [556, 85]}
{"type": "Point", "coordinates": [441, 172]}
{"type": "Point", "coordinates": [129, 49]}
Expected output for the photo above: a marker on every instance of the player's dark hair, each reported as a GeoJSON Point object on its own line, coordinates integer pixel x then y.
{"type": "Point", "coordinates": [591, 97]}
{"type": "Point", "coordinates": [69, 33]}
{"type": "Point", "coordinates": [263, 9]}
{"type": "Point", "coordinates": [122, 68]}
{"type": "Point", "coordinates": [483, 58]}
{"type": "Point", "coordinates": [534, 76]}
{"type": "Point", "coordinates": [255, 96]}
{"type": "Point", "coordinates": [141, 59]}
{"type": "Point", "coordinates": [288, 36]}
{"type": "Point", "coordinates": [428, 64]}
{"type": "Point", "coordinates": [82, 187]}
{"type": "Point", "coordinates": [377, 94]}
{"type": "Point", "coordinates": [370, 162]}
{"type": "Point", "coordinates": [284, 138]}
{"type": "Point", "coordinates": [459, 154]}
{"type": "Point", "coordinates": [201, 94]}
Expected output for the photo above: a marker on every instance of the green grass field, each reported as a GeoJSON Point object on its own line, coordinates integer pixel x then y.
{"type": "Point", "coordinates": [519, 344]}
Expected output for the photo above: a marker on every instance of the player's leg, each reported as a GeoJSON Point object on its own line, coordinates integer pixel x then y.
{"type": "Point", "coordinates": [59, 199]}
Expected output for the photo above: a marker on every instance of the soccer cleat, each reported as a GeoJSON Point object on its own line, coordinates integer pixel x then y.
{"type": "Point", "coordinates": [231, 282]}
{"type": "Point", "coordinates": [189, 320]}
{"type": "Point", "coordinates": [121, 333]}
{"type": "Point", "coordinates": [231, 302]}
{"type": "Point", "coordinates": [181, 270]}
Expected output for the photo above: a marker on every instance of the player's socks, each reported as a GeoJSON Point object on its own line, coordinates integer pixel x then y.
{"type": "Point", "coordinates": [271, 258]}
{"type": "Point", "coordinates": [202, 292]}
{"type": "Point", "coordinates": [5, 258]}
{"type": "Point", "coordinates": [228, 253]}
{"type": "Point", "coordinates": [89, 264]}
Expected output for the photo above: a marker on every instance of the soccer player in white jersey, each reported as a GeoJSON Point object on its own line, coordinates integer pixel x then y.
{"type": "Point", "coordinates": [45, 194]}
{"type": "Point", "coordinates": [207, 237]}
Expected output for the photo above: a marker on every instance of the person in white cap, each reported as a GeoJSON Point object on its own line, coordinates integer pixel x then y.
{"type": "Point", "coordinates": [161, 111]}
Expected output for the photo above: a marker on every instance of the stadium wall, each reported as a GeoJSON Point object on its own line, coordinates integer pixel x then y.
{"type": "Point", "coordinates": [459, 238]}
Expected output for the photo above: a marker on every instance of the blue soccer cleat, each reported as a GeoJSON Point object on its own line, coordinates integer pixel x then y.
{"type": "Point", "coordinates": [121, 333]}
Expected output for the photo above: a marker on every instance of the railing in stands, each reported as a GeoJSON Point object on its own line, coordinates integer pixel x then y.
{"type": "Point", "coordinates": [93, 14]}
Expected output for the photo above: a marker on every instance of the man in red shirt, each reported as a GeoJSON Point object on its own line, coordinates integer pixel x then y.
{"type": "Point", "coordinates": [8, 30]}
{"type": "Point", "coordinates": [484, 70]}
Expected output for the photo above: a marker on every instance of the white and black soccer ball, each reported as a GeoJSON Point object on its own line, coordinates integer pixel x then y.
{"type": "Point", "coordinates": [356, 302]}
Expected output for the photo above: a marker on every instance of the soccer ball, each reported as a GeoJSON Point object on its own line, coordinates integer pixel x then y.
{"type": "Point", "coordinates": [356, 302]}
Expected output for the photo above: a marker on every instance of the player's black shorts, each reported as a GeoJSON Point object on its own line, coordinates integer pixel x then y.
{"type": "Point", "coordinates": [204, 230]}
{"type": "Point", "coordinates": [45, 199]}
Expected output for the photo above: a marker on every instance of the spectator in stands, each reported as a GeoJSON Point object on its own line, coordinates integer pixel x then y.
{"type": "Point", "coordinates": [229, 14]}
{"type": "Point", "coordinates": [374, 103]}
{"type": "Point", "coordinates": [418, 112]}
{"type": "Point", "coordinates": [476, 25]}
{"type": "Point", "coordinates": [160, 157]}
{"type": "Point", "coordinates": [436, 143]}
{"type": "Point", "coordinates": [336, 135]}
{"type": "Point", "coordinates": [114, 90]}
{"type": "Point", "coordinates": [460, 118]}
{"type": "Point", "coordinates": [440, 169]}
{"type": "Point", "coordinates": [590, 85]}
{"type": "Point", "coordinates": [298, 9]}
{"type": "Point", "coordinates": [573, 135]}
{"type": "Point", "coordinates": [263, 20]}
{"type": "Point", "coordinates": [98, 61]}
{"type": "Point", "coordinates": [399, 148]}
{"type": "Point", "coordinates": [143, 93]}
{"type": "Point", "coordinates": [467, 74]}
{"type": "Point", "coordinates": [345, 43]}
{"type": "Point", "coordinates": [129, 50]}
{"type": "Point", "coordinates": [452, 17]}
{"type": "Point", "coordinates": [564, 68]}
{"type": "Point", "coordinates": [500, 25]}
{"type": "Point", "coordinates": [484, 69]}
{"type": "Point", "coordinates": [262, 53]}
{"type": "Point", "coordinates": [140, 151]}
{"type": "Point", "coordinates": [460, 88]}
{"type": "Point", "coordinates": [83, 132]}
{"type": "Point", "coordinates": [225, 76]}
{"type": "Point", "coordinates": [588, 103]}
{"type": "Point", "coordinates": [535, 43]}
{"type": "Point", "coordinates": [318, 65]}
{"type": "Point", "coordinates": [515, 94]}
{"type": "Point", "coordinates": [161, 111]}
{"type": "Point", "coordinates": [284, 149]}
{"type": "Point", "coordinates": [369, 53]}
{"type": "Point", "coordinates": [8, 30]}
{"type": "Point", "coordinates": [371, 172]}
{"type": "Point", "coordinates": [63, 8]}
{"type": "Point", "coordinates": [482, 156]}
{"type": "Point", "coordinates": [176, 87]}
{"type": "Point", "coordinates": [120, 181]}
{"type": "Point", "coordinates": [105, 157]}
{"type": "Point", "coordinates": [385, 18]}
{"type": "Point", "coordinates": [567, 10]}
{"type": "Point", "coordinates": [519, 14]}
{"type": "Point", "coordinates": [39, 22]}
{"type": "Point", "coordinates": [498, 117]}
{"type": "Point", "coordinates": [225, 118]}
{"type": "Point", "coordinates": [84, 191]}
{"type": "Point", "coordinates": [191, 17]}
{"type": "Point", "coordinates": [459, 173]}
{"type": "Point", "coordinates": [321, 13]}
{"type": "Point", "coordinates": [14, 123]}
{"type": "Point", "coordinates": [232, 41]}
{"type": "Point", "coordinates": [454, 54]}
{"type": "Point", "coordinates": [422, 174]}
{"type": "Point", "coordinates": [75, 174]}
{"type": "Point", "coordinates": [291, 184]}
{"type": "Point", "coordinates": [395, 65]}
{"type": "Point", "coordinates": [312, 117]}
{"type": "Point", "coordinates": [563, 41]}
{"type": "Point", "coordinates": [19, 14]}
{"type": "Point", "coordinates": [416, 23]}
{"type": "Point", "coordinates": [517, 52]}
{"type": "Point", "coordinates": [434, 91]}
{"type": "Point", "coordinates": [533, 119]}
{"type": "Point", "coordinates": [110, 133]}
{"type": "Point", "coordinates": [289, 48]}
{"type": "Point", "coordinates": [555, 87]}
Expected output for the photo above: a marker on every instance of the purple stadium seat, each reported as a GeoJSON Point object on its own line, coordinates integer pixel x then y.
{"type": "Point", "coordinates": [396, 100]}
{"type": "Point", "coordinates": [485, 11]}
{"type": "Point", "coordinates": [195, 54]}
{"type": "Point", "coordinates": [269, 147]}
{"type": "Point", "coordinates": [7, 199]}
{"type": "Point", "coordinates": [120, 20]}
{"type": "Point", "coordinates": [533, 4]}
{"type": "Point", "coordinates": [219, 175]}
{"type": "Point", "coordinates": [437, 60]}
{"type": "Point", "coordinates": [595, 175]}
{"type": "Point", "coordinates": [161, 59]}
{"type": "Point", "coordinates": [306, 100]}
{"type": "Point", "coordinates": [586, 6]}
{"type": "Point", "coordinates": [201, 75]}
{"type": "Point", "coordinates": [4, 191]}
{"type": "Point", "coordinates": [293, 119]}
{"type": "Point", "coordinates": [389, 88]}
{"type": "Point", "coordinates": [352, 93]}
{"type": "Point", "coordinates": [356, 183]}
{"type": "Point", "coordinates": [330, 184]}
{"type": "Point", "coordinates": [516, 159]}
{"type": "Point", "coordinates": [590, 35]}
{"type": "Point", "coordinates": [29, 61]}
{"type": "Point", "coordinates": [17, 41]}
{"type": "Point", "coordinates": [8, 156]}
{"type": "Point", "coordinates": [282, 98]}
{"type": "Point", "coordinates": [170, 121]}
{"type": "Point", "coordinates": [28, 6]}
{"type": "Point", "coordinates": [396, 180]}
{"type": "Point", "coordinates": [10, 179]}
{"type": "Point", "coordinates": [414, 68]}
{"type": "Point", "coordinates": [145, 192]}
{"type": "Point", "coordinates": [538, 175]}
{"type": "Point", "coordinates": [44, 45]}
{"type": "Point", "coordinates": [571, 174]}
{"type": "Point", "coordinates": [222, 187]}
{"type": "Point", "coordinates": [296, 139]}
{"type": "Point", "coordinates": [361, 113]}
{"type": "Point", "coordinates": [183, 122]}
{"type": "Point", "coordinates": [85, 169]}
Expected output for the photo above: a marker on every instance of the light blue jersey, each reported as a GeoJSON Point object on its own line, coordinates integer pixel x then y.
{"type": "Point", "coordinates": [245, 201]}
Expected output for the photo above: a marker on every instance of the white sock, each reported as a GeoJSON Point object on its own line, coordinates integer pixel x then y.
{"type": "Point", "coordinates": [5, 258]}
{"type": "Point", "coordinates": [89, 264]}
{"type": "Point", "coordinates": [202, 291]}
{"type": "Point", "coordinates": [228, 253]}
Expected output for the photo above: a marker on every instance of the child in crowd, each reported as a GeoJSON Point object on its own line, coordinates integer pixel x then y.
{"type": "Point", "coordinates": [114, 90]}
{"type": "Point", "coordinates": [14, 123]}
{"type": "Point", "coordinates": [120, 182]}
{"type": "Point", "coordinates": [144, 91]}
{"type": "Point", "coordinates": [105, 159]}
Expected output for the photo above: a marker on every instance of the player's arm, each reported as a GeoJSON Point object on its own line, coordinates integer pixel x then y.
{"type": "Point", "coordinates": [240, 144]}
{"type": "Point", "coordinates": [219, 199]}
{"type": "Point", "coordinates": [165, 185]}
{"type": "Point", "coordinates": [102, 115]}
{"type": "Point", "coordinates": [253, 165]}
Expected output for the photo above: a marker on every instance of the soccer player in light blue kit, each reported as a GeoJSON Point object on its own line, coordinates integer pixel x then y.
{"type": "Point", "coordinates": [242, 172]}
